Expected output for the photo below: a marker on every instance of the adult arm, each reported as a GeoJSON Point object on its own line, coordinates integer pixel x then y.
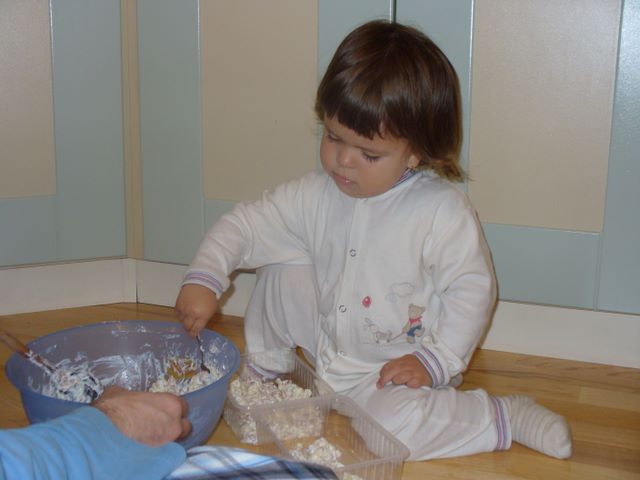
{"type": "Point", "coordinates": [89, 442]}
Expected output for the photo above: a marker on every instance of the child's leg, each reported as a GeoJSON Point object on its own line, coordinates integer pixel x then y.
{"type": "Point", "coordinates": [282, 312]}
{"type": "Point", "coordinates": [432, 423]}
{"type": "Point", "coordinates": [444, 422]}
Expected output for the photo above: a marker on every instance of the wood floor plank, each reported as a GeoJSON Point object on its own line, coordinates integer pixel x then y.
{"type": "Point", "coordinates": [601, 402]}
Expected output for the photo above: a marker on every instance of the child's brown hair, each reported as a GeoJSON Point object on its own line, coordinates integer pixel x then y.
{"type": "Point", "coordinates": [388, 77]}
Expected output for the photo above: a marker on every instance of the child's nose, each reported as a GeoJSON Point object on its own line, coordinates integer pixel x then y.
{"type": "Point", "coordinates": [345, 157]}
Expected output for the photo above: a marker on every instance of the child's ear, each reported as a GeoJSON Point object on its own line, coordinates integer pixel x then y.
{"type": "Point", "coordinates": [413, 162]}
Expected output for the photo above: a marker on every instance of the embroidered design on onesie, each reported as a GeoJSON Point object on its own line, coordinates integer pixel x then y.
{"type": "Point", "coordinates": [398, 291]}
{"type": "Point", "coordinates": [377, 335]}
{"type": "Point", "coordinates": [413, 328]}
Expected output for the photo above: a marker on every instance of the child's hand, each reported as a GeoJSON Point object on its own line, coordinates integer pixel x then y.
{"type": "Point", "coordinates": [195, 306]}
{"type": "Point", "coordinates": [406, 370]}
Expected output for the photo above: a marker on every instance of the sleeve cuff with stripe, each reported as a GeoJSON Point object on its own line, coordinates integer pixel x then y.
{"type": "Point", "coordinates": [205, 279]}
{"type": "Point", "coordinates": [435, 365]}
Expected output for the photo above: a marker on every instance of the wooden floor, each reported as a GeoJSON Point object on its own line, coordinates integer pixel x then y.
{"type": "Point", "coordinates": [601, 403]}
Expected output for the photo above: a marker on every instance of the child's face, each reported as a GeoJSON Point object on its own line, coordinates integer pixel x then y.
{"type": "Point", "coordinates": [363, 167]}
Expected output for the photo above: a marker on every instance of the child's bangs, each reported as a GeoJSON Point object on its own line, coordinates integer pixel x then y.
{"type": "Point", "coordinates": [360, 109]}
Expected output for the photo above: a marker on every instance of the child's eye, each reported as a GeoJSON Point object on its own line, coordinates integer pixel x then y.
{"type": "Point", "coordinates": [332, 138]}
{"type": "Point", "coordinates": [370, 158]}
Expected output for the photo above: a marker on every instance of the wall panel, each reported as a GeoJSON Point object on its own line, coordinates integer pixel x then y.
{"type": "Point", "coordinates": [449, 25]}
{"type": "Point", "coordinates": [258, 120]}
{"type": "Point", "coordinates": [170, 113]}
{"type": "Point", "coordinates": [543, 78]}
{"type": "Point", "coordinates": [538, 265]}
{"type": "Point", "coordinates": [84, 218]}
{"type": "Point", "coordinates": [28, 234]}
{"type": "Point", "coordinates": [27, 157]}
{"type": "Point", "coordinates": [87, 91]}
{"type": "Point", "coordinates": [336, 18]}
{"type": "Point", "coordinates": [619, 288]}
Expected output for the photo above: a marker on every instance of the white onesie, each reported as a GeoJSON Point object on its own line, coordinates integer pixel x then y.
{"type": "Point", "coordinates": [357, 282]}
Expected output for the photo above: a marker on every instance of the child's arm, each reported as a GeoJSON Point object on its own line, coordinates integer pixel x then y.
{"type": "Point", "coordinates": [406, 370]}
{"type": "Point", "coordinates": [459, 264]}
{"type": "Point", "coordinates": [270, 230]}
{"type": "Point", "coordinates": [195, 306]}
{"type": "Point", "coordinates": [465, 284]}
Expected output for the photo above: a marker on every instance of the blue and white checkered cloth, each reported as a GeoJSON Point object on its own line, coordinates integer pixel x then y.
{"type": "Point", "coordinates": [210, 462]}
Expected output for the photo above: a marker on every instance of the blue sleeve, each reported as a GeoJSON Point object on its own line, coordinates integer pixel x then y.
{"type": "Point", "coordinates": [83, 444]}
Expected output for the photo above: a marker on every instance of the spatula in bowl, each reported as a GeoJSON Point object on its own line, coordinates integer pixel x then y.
{"type": "Point", "coordinates": [90, 385]}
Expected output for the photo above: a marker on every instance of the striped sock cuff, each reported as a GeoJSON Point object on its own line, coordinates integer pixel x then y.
{"type": "Point", "coordinates": [503, 427]}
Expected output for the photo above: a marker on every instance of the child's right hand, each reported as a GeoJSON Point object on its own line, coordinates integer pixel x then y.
{"type": "Point", "coordinates": [406, 370]}
{"type": "Point", "coordinates": [195, 306]}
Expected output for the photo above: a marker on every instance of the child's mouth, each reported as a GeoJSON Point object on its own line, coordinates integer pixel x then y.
{"type": "Point", "coordinates": [342, 180]}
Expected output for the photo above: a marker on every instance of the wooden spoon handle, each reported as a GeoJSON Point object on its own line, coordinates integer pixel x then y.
{"type": "Point", "coordinates": [14, 344]}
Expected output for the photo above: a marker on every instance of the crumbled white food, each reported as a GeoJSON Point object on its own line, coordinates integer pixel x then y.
{"type": "Point", "coordinates": [304, 421]}
{"type": "Point", "coordinates": [191, 384]}
{"type": "Point", "coordinates": [248, 391]}
{"type": "Point", "coordinates": [323, 452]}
{"type": "Point", "coordinates": [182, 379]}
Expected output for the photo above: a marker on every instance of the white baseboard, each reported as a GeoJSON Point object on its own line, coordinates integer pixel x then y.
{"type": "Point", "coordinates": [79, 284]}
{"type": "Point", "coordinates": [573, 334]}
{"type": "Point", "coordinates": [159, 283]}
{"type": "Point", "coordinates": [569, 333]}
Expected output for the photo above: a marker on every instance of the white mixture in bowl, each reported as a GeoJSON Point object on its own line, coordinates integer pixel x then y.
{"type": "Point", "coordinates": [183, 376]}
{"type": "Point", "coordinates": [69, 382]}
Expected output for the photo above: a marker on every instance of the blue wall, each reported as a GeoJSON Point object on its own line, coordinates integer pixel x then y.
{"type": "Point", "coordinates": [86, 217]}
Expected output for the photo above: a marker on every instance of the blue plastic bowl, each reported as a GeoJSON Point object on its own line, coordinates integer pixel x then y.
{"type": "Point", "coordinates": [128, 353]}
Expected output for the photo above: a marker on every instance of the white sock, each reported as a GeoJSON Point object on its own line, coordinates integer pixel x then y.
{"type": "Point", "coordinates": [536, 427]}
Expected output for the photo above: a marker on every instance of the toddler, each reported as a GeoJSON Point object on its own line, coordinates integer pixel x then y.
{"type": "Point", "coordinates": [377, 266]}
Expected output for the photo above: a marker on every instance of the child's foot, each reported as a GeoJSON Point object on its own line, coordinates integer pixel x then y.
{"type": "Point", "coordinates": [536, 427]}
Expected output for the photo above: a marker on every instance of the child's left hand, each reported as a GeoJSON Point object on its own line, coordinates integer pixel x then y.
{"type": "Point", "coordinates": [406, 370]}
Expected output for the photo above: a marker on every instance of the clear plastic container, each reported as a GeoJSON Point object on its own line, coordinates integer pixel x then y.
{"type": "Point", "coordinates": [265, 369]}
{"type": "Point", "coordinates": [365, 449]}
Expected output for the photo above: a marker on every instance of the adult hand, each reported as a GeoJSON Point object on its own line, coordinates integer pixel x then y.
{"type": "Point", "coordinates": [406, 370]}
{"type": "Point", "coordinates": [195, 306]}
{"type": "Point", "coordinates": [150, 418]}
